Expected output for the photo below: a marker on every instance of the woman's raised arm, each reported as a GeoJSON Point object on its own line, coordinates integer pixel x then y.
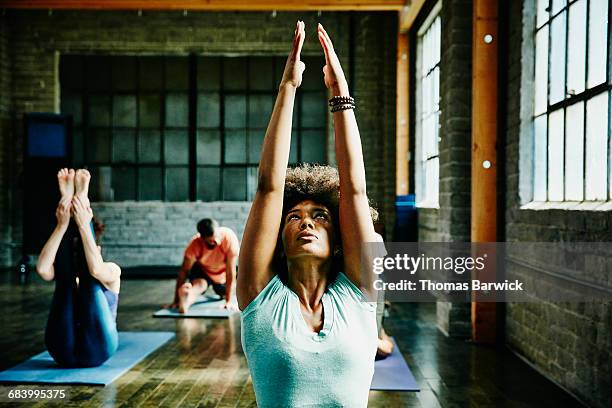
{"type": "Point", "coordinates": [356, 225]}
{"type": "Point", "coordinates": [44, 265]}
{"type": "Point", "coordinates": [263, 223]}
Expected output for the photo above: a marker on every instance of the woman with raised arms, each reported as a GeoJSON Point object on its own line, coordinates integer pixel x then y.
{"type": "Point", "coordinates": [308, 330]}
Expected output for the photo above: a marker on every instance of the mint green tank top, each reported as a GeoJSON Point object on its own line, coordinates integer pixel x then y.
{"type": "Point", "coordinates": [292, 366]}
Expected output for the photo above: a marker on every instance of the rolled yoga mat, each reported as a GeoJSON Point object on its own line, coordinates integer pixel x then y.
{"type": "Point", "coordinates": [133, 347]}
{"type": "Point", "coordinates": [393, 373]}
{"type": "Point", "coordinates": [203, 307]}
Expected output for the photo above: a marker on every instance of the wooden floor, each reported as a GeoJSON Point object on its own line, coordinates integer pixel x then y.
{"type": "Point", "coordinates": [204, 366]}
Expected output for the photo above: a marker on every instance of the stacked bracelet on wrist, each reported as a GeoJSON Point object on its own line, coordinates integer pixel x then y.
{"type": "Point", "coordinates": [338, 103]}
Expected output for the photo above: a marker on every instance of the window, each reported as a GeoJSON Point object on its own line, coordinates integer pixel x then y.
{"type": "Point", "coordinates": [183, 128]}
{"type": "Point", "coordinates": [427, 166]}
{"type": "Point", "coordinates": [572, 102]}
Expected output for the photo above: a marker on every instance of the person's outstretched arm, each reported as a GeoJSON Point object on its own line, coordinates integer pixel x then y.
{"type": "Point", "coordinates": [44, 265]}
{"type": "Point", "coordinates": [263, 223]}
{"type": "Point", "coordinates": [107, 273]}
{"type": "Point", "coordinates": [356, 225]}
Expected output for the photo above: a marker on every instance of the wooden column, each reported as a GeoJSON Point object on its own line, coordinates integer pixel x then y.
{"type": "Point", "coordinates": [402, 111]}
{"type": "Point", "coordinates": [484, 153]}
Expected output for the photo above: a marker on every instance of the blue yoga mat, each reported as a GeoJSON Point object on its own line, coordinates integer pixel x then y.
{"type": "Point", "coordinates": [211, 307]}
{"type": "Point", "coordinates": [393, 373]}
{"type": "Point", "coordinates": [133, 347]}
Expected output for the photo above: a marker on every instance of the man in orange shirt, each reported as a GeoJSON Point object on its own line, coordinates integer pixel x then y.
{"type": "Point", "coordinates": [210, 259]}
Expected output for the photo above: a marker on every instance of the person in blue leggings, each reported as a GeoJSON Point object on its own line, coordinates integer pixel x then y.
{"type": "Point", "coordinates": [81, 329]}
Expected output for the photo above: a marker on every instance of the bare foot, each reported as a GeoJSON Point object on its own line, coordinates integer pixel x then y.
{"type": "Point", "coordinates": [81, 185]}
{"type": "Point", "coordinates": [187, 297]}
{"type": "Point", "coordinates": [65, 179]}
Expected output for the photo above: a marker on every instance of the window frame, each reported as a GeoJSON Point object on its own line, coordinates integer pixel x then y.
{"type": "Point", "coordinates": [528, 180]}
{"type": "Point", "coordinates": [423, 190]}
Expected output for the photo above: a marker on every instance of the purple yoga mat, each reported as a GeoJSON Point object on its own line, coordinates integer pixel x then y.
{"type": "Point", "coordinates": [393, 373]}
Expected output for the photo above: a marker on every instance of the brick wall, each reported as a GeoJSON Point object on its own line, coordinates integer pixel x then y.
{"type": "Point", "coordinates": [130, 227]}
{"type": "Point", "coordinates": [376, 40]}
{"type": "Point", "coordinates": [5, 145]}
{"type": "Point", "coordinates": [39, 37]}
{"type": "Point", "coordinates": [451, 222]}
{"type": "Point", "coordinates": [571, 343]}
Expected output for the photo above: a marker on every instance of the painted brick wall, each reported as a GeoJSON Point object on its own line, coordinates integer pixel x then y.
{"type": "Point", "coordinates": [571, 343]}
{"type": "Point", "coordinates": [156, 233]}
{"type": "Point", "coordinates": [39, 37]}
{"type": "Point", "coordinates": [451, 222]}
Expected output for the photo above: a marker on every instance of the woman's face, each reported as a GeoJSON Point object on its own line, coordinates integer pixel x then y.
{"type": "Point", "coordinates": [308, 231]}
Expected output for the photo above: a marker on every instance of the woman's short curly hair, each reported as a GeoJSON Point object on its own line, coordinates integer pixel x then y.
{"type": "Point", "coordinates": [320, 184]}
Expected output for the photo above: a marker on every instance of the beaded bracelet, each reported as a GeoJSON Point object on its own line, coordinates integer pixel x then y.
{"type": "Point", "coordinates": [341, 107]}
{"type": "Point", "coordinates": [337, 100]}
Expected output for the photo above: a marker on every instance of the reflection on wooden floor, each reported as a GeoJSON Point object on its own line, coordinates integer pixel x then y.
{"type": "Point", "coordinates": [204, 365]}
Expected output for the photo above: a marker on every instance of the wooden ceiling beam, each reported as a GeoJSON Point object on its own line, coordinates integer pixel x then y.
{"type": "Point", "coordinates": [207, 5]}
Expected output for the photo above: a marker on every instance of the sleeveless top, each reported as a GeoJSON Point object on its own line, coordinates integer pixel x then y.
{"type": "Point", "coordinates": [292, 366]}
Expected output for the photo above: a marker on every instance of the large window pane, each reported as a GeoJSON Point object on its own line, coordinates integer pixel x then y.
{"type": "Point", "coordinates": [256, 138]}
{"type": "Point", "coordinates": [312, 78]}
{"type": "Point", "coordinates": [71, 72]}
{"type": "Point", "coordinates": [177, 110]}
{"type": "Point", "coordinates": [177, 184]}
{"type": "Point", "coordinates": [99, 110]}
{"type": "Point", "coordinates": [149, 146]}
{"type": "Point", "coordinates": [542, 13]}
{"type": "Point", "coordinates": [176, 147]}
{"type": "Point", "coordinates": [72, 105]}
{"type": "Point", "coordinates": [541, 71]}
{"type": "Point", "coordinates": [235, 146]}
{"type": "Point", "coordinates": [261, 74]}
{"type": "Point", "coordinates": [124, 110]}
{"type": "Point", "coordinates": [540, 164]}
{"type": "Point", "coordinates": [576, 47]}
{"type": "Point", "coordinates": [209, 147]}
{"type": "Point", "coordinates": [177, 73]}
{"type": "Point", "coordinates": [98, 73]}
{"type": "Point", "coordinates": [234, 73]}
{"type": "Point", "coordinates": [251, 182]}
{"type": "Point", "coordinates": [574, 152]}
{"type": "Point", "coordinates": [78, 155]}
{"type": "Point", "coordinates": [234, 183]}
{"type": "Point", "coordinates": [555, 156]}
{"type": "Point", "coordinates": [235, 111]}
{"type": "Point", "coordinates": [207, 184]}
{"type": "Point", "coordinates": [598, 39]}
{"type": "Point", "coordinates": [208, 110]}
{"type": "Point", "coordinates": [209, 73]}
{"type": "Point", "coordinates": [124, 146]}
{"type": "Point", "coordinates": [150, 183]}
{"type": "Point", "coordinates": [557, 5]}
{"type": "Point", "coordinates": [150, 73]}
{"type": "Point", "coordinates": [313, 146]}
{"type": "Point", "coordinates": [293, 152]}
{"type": "Point", "coordinates": [98, 146]}
{"type": "Point", "coordinates": [557, 59]}
{"type": "Point", "coordinates": [314, 109]}
{"type": "Point", "coordinates": [596, 148]}
{"type": "Point", "coordinates": [124, 183]}
{"type": "Point", "coordinates": [124, 73]}
{"type": "Point", "coordinates": [432, 170]}
{"type": "Point", "coordinates": [149, 110]}
{"type": "Point", "coordinates": [260, 109]}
